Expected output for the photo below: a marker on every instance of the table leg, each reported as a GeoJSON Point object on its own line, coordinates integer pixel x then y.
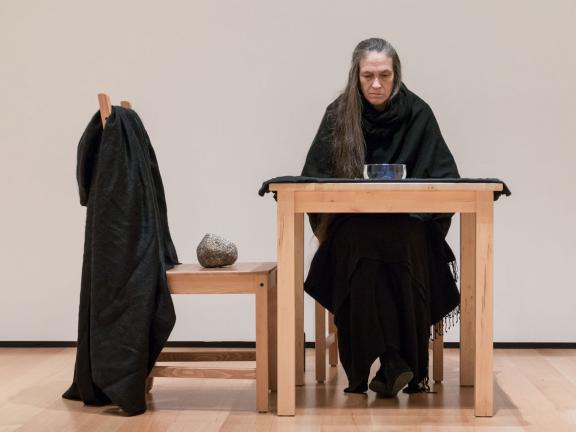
{"type": "Point", "coordinates": [272, 331]}
{"type": "Point", "coordinates": [299, 287]}
{"type": "Point", "coordinates": [286, 359]}
{"type": "Point", "coordinates": [483, 382]}
{"type": "Point", "coordinates": [467, 293]}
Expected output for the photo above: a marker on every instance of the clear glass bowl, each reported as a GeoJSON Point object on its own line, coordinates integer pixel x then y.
{"type": "Point", "coordinates": [385, 171]}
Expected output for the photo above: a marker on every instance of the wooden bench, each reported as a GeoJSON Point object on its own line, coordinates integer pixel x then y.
{"type": "Point", "coordinates": [241, 278]}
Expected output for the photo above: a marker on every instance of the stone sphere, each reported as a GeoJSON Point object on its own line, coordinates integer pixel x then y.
{"type": "Point", "coordinates": [216, 251]}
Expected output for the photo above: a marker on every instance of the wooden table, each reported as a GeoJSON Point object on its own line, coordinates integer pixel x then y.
{"type": "Point", "coordinates": [474, 202]}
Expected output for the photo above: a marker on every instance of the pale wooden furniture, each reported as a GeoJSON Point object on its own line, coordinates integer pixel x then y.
{"type": "Point", "coordinates": [240, 278]}
{"type": "Point", "coordinates": [330, 342]}
{"type": "Point", "coordinates": [323, 342]}
{"type": "Point", "coordinates": [475, 203]}
{"type": "Point", "coordinates": [106, 106]}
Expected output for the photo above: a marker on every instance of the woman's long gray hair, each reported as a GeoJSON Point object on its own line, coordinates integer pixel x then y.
{"type": "Point", "coordinates": [348, 151]}
{"type": "Point", "coordinates": [348, 147]}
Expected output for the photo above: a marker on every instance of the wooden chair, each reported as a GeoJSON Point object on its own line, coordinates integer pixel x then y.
{"type": "Point", "coordinates": [241, 278]}
{"type": "Point", "coordinates": [330, 342]}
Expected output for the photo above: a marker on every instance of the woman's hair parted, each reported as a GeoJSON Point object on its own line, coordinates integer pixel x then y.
{"type": "Point", "coordinates": [348, 149]}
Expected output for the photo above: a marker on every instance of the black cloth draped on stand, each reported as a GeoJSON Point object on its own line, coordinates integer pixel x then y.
{"type": "Point", "coordinates": [126, 311]}
{"type": "Point", "coordinates": [386, 277]}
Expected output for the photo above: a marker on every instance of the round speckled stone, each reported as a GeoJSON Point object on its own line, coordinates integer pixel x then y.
{"type": "Point", "coordinates": [216, 251]}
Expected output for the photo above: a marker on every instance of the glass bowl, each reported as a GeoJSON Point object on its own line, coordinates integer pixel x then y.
{"type": "Point", "coordinates": [385, 171]}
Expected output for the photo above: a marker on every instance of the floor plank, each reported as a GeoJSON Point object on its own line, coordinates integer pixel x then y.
{"type": "Point", "coordinates": [534, 390]}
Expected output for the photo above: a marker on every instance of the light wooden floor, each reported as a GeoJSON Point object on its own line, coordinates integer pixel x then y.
{"type": "Point", "coordinates": [535, 390]}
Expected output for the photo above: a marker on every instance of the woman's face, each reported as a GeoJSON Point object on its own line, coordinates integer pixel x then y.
{"type": "Point", "coordinates": [376, 78]}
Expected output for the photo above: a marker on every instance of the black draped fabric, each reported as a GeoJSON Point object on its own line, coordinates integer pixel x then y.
{"type": "Point", "coordinates": [126, 311]}
{"type": "Point", "coordinates": [386, 277]}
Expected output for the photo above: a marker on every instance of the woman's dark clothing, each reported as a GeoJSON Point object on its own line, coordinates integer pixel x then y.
{"type": "Point", "coordinates": [386, 277]}
{"type": "Point", "coordinates": [126, 311]}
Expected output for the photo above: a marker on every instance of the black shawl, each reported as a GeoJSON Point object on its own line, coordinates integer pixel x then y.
{"type": "Point", "coordinates": [126, 311]}
{"type": "Point", "coordinates": [406, 132]}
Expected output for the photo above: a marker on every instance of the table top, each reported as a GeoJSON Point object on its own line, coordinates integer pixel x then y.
{"type": "Point", "coordinates": [236, 268]}
{"type": "Point", "coordinates": [370, 186]}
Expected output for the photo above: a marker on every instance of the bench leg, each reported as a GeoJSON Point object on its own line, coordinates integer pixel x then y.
{"type": "Point", "coordinates": [262, 346]}
{"type": "Point", "coordinates": [149, 384]}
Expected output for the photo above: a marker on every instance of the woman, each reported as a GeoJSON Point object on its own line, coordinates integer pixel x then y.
{"type": "Point", "coordinates": [386, 277]}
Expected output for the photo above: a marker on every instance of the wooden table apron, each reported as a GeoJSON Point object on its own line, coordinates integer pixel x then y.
{"type": "Point", "coordinates": [474, 202]}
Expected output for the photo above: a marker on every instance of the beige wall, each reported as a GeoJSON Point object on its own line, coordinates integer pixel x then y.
{"type": "Point", "coordinates": [232, 93]}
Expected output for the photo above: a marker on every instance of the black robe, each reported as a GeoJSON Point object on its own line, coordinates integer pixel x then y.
{"type": "Point", "coordinates": [126, 311]}
{"type": "Point", "coordinates": [386, 277]}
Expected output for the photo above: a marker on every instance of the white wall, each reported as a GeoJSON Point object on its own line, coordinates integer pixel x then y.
{"type": "Point", "coordinates": [232, 93]}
